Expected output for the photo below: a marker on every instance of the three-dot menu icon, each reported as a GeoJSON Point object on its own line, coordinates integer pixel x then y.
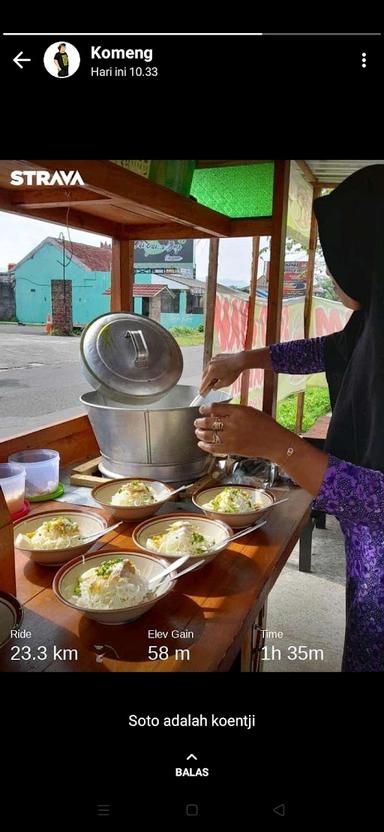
{"type": "Point", "coordinates": [364, 60]}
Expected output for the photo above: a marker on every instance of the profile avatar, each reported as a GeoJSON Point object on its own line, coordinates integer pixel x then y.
{"type": "Point", "coordinates": [62, 61]}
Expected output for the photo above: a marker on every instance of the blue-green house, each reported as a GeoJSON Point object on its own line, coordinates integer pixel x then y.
{"type": "Point", "coordinates": [88, 267]}
{"type": "Point", "coordinates": [183, 305]}
{"type": "Point", "coordinates": [173, 300]}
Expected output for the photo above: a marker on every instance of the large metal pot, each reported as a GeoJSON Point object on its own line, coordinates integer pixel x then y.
{"type": "Point", "coordinates": [157, 441]}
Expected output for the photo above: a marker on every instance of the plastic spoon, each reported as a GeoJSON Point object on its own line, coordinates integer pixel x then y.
{"type": "Point", "coordinates": [278, 502]}
{"type": "Point", "coordinates": [248, 530]}
{"type": "Point", "coordinates": [158, 578]}
{"type": "Point", "coordinates": [102, 533]}
{"type": "Point", "coordinates": [193, 566]}
{"type": "Point", "coordinates": [169, 569]}
{"type": "Point", "coordinates": [198, 400]}
{"type": "Point", "coordinates": [182, 487]}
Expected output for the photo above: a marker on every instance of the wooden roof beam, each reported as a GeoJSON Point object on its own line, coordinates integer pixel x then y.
{"type": "Point", "coordinates": [85, 222]}
{"type": "Point", "coordinates": [168, 231]}
{"type": "Point", "coordinates": [329, 184]}
{"type": "Point", "coordinates": [54, 197]}
{"type": "Point", "coordinates": [257, 227]}
{"type": "Point", "coordinates": [111, 180]}
{"type": "Point", "coordinates": [226, 163]}
{"type": "Point", "coordinates": [306, 170]}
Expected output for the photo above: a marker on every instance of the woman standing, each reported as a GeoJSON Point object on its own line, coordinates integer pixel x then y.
{"type": "Point", "coordinates": [348, 478]}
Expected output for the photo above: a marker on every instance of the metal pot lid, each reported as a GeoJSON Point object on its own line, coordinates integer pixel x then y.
{"type": "Point", "coordinates": [130, 356]}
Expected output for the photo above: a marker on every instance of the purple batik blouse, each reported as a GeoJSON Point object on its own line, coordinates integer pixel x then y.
{"type": "Point", "coordinates": [355, 495]}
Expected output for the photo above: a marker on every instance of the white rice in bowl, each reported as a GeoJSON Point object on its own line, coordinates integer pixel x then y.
{"type": "Point", "coordinates": [114, 584]}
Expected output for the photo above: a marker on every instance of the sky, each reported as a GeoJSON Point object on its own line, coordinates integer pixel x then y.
{"type": "Point", "coordinates": [19, 235]}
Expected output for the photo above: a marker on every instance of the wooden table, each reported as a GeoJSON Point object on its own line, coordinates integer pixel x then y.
{"type": "Point", "coordinates": [215, 608]}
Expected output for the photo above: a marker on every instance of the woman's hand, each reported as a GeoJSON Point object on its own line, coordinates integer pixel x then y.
{"type": "Point", "coordinates": [243, 431]}
{"type": "Point", "coordinates": [222, 371]}
{"type": "Point", "coordinates": [225, 368]}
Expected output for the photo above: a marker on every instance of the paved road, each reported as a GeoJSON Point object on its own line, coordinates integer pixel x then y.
{"type": "Point", "coordinates": [41, 379]}
{"type": "Point", "coordinates": [23, 329]}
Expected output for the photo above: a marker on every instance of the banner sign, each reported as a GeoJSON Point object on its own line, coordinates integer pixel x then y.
{"type": "Point", "coordinates": [230, 328]}
{"type": "Point", "coordinates": [159, 253]}
{"type": "Point", "coordinates": [300, 196]}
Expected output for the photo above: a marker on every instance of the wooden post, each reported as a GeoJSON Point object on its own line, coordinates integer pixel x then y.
{"type": "Point", "coordinates": [210, 300]}
{"type": "Point", "coordinates": [7, 550]}
{"type": "Point", "coordinates": [123, 275]}
{"type": "Point", "coordinates": [308, 301]}
{"type": "Point", "coordinates": [276, 274]}
{"type": "Point", "coordinates": [300, 400]}
{"type": "Point", "coordinates": [248, 340]}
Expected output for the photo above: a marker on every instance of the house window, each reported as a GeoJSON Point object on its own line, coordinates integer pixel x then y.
{"type": "Point", "coordinates": [195, 304]}
{"type": "Point", "coordinates": [169, 303]}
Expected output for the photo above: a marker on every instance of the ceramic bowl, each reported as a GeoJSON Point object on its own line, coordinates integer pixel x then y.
{"type": "Point", "coordinates": [241, 519]}
{"type": "Point", "coordinates": [104, 493]}
{"type": "Point", "coordinates": [216, 530]}
{"type": "Point", "coordinates": [88, 522]}
{"type": "Point", "coordinates": [148, 566]}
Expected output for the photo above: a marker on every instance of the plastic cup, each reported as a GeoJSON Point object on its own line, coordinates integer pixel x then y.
{"type": "Point", "coordinates": [12, 483]}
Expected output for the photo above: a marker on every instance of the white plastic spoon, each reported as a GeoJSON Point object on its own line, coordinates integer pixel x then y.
{"type": "Point", "coordinates": [226, 540]}
{"type": "Point", "coordinates": [199, 399]}
{"type": "Point", "coordinates": [182, 487]}
{"type": "Point", "coordinates": [182, 560]}
{"type": "Point", "coordinates": [278, 502]}
{"type": "Point", "coordinates": [169, 569]}
{"type": "Point", "coordinates": [102, 533]}
{"type": "Point", "coordinates": [193, 566]}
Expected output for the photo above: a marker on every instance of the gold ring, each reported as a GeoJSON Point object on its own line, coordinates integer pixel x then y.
{"type": "Point", "coordinates": [218, 425]}
{"type": "Point", "coordinates": [216, 439]}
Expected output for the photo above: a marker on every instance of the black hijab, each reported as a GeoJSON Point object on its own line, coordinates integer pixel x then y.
{"type": "Point", "coordinates": [351, 231]}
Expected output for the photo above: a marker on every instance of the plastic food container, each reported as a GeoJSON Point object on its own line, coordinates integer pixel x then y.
{"type": "Point", "coordinates": [12, 483]}
{"type": "Point", "coordinates": [42, 470]}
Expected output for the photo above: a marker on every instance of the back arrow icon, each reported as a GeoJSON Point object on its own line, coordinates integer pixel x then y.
{"type": "Point", "coordinates": [18, 59]}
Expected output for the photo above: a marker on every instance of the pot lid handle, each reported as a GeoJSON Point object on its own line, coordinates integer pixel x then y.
{"type": "Point", "coordinates": [140, 346]}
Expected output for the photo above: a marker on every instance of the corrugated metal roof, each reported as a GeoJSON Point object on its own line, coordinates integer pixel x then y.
{"type": "Point", "coordinates": [146, 290]}
{"type": "Point", "coordinates": [149, 290]}
{"type": "Point", "coordinates": [198, 287]}
{"type": "Point", "coordinates": [336, 170]}
{"type": "Point", "coordinates": [96, 258]}
{"type": "Point", "coordinates": [93, 258]}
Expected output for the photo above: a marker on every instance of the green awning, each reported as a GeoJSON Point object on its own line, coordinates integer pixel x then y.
{"type": "Point", "coordinates": [239, 191]}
